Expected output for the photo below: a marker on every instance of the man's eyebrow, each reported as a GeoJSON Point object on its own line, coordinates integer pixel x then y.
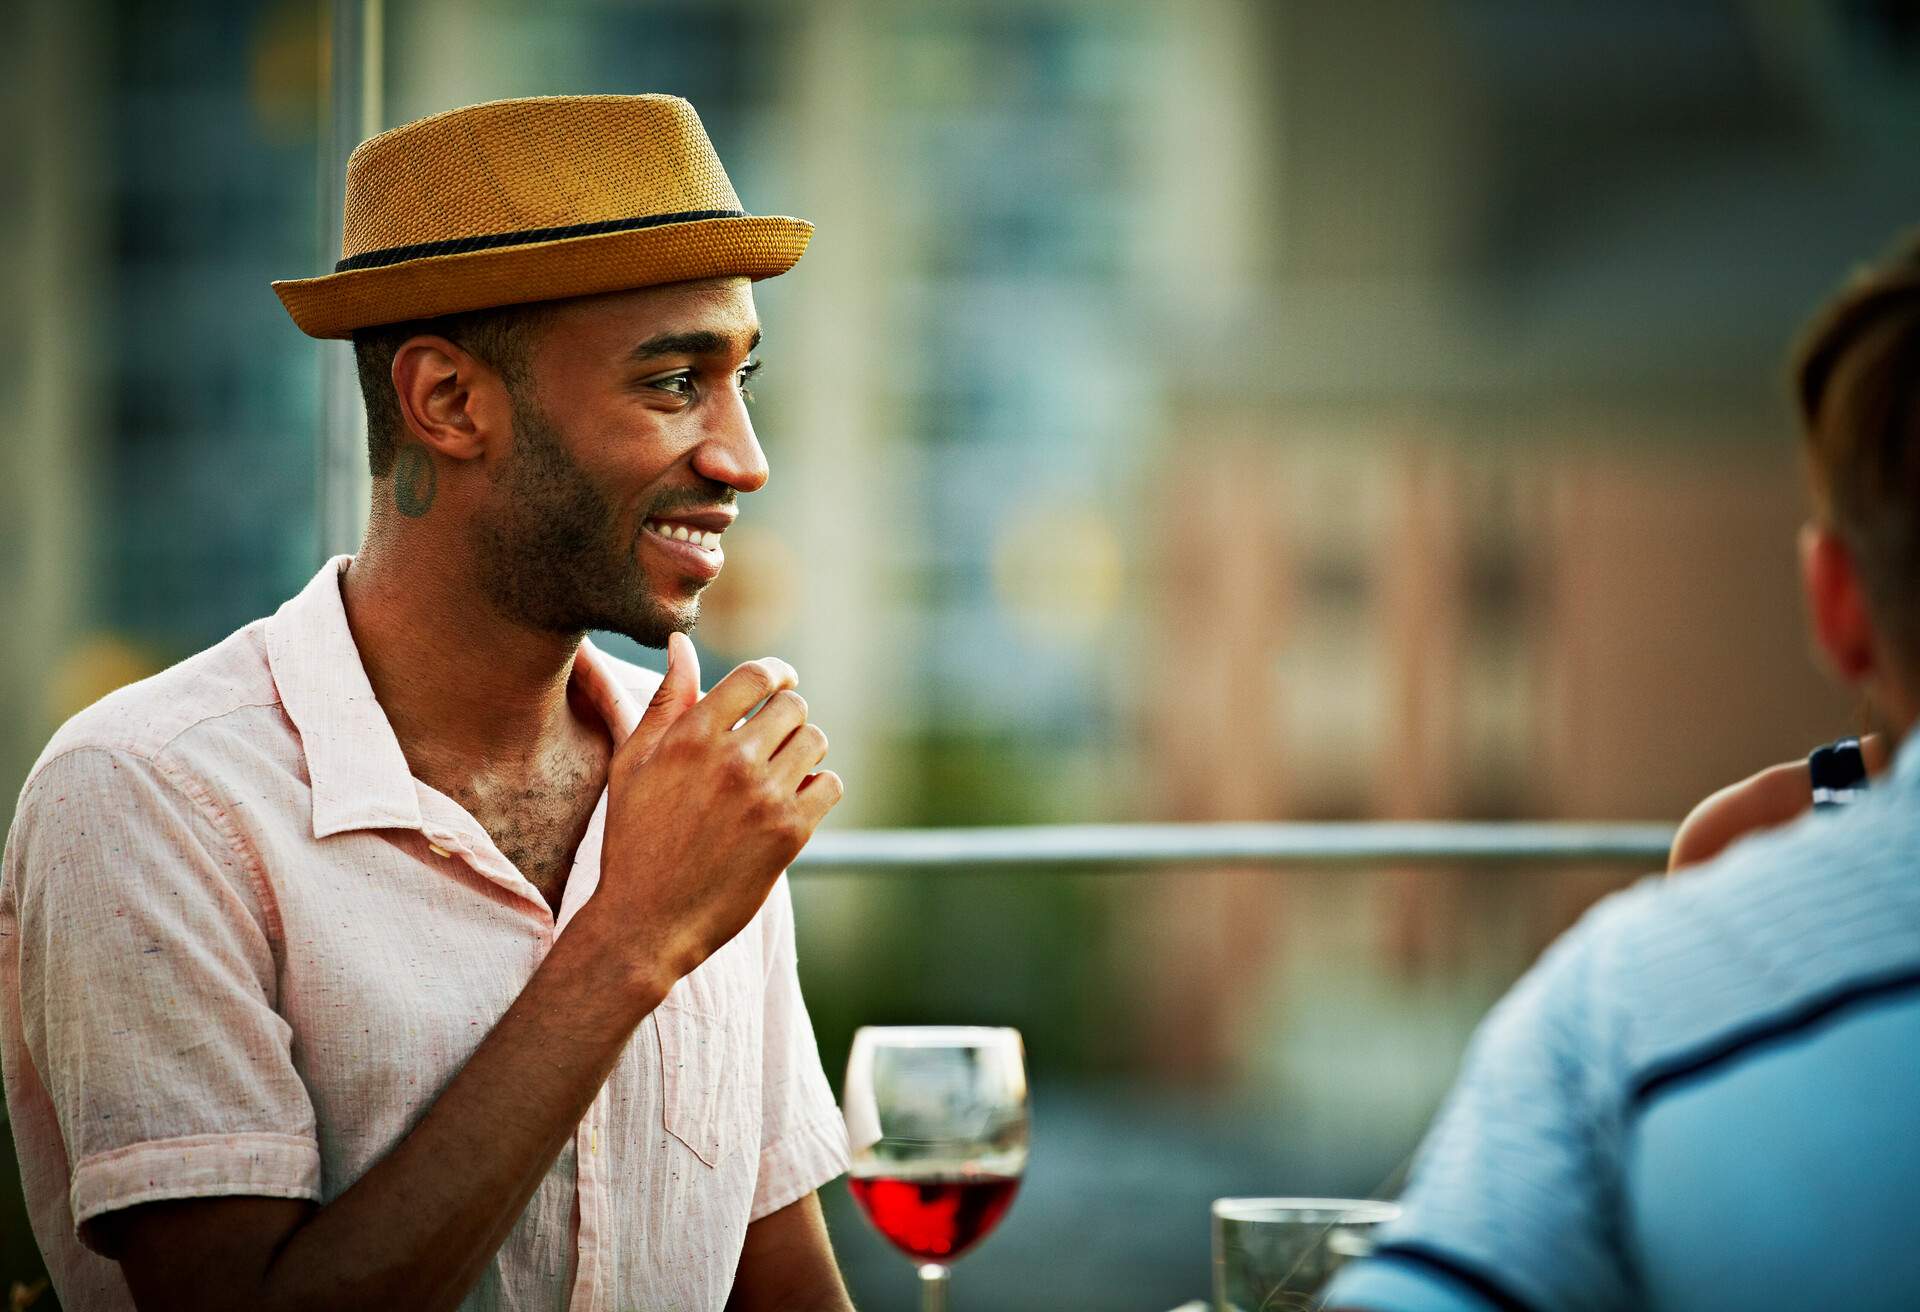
{"type": "Point", "coordinates": [697, 342]}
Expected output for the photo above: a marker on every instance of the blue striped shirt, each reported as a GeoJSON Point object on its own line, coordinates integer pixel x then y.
{"type": "Point", "coordinates": [1704, 1096]}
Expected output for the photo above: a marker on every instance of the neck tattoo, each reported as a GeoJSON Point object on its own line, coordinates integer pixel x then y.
{"type": "Point", "coordinates": [415, 481]}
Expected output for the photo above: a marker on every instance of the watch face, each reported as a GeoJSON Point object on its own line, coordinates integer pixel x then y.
{"type": "Point", "coordinates": [1839, 773]}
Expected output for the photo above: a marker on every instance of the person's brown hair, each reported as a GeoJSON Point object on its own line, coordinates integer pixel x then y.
{"type": "Point", "coordinates": [503, 337]}
{"type": "Point", "coordinates": [1857, 381]}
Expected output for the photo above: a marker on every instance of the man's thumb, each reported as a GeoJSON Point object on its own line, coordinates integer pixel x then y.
{"type": "Point", "coordinates": [678, 691]}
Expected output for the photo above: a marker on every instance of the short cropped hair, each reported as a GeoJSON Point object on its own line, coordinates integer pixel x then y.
{"type": "Point", "coordinates": [1857, 381]}
{"type": "Point", "coordinates": [502, 337]}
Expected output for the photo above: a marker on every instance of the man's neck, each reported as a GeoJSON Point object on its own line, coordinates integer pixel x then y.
{"type": "Point", "coordinates": [467, 691]}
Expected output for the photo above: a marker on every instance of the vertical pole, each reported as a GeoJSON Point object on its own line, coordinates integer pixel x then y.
{"type": "Point", "coordinates": [354, 111]}
{"type": "Point", "coordinates": [53, 384]}
{"type": "Point", "coordinates": [933, 1287]}
{"type": "Point", "coordinates": [839, 457]}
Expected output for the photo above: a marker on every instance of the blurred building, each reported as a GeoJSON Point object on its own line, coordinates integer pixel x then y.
{"type": "Point", "coordinates": [1213, 410]}
{"type": "Point", "coordinates": [1492, 418]}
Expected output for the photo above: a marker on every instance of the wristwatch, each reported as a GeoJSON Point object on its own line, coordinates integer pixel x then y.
{"type": "Point", "coordinates": [1839, 772]}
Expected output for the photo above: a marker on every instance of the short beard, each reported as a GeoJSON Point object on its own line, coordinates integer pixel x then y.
{"type": "Point", "coordinates": [548, 548]}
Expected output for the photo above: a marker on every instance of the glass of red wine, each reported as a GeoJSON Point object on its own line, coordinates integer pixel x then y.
{"type": "Point", "coordinates": [937, 1115]}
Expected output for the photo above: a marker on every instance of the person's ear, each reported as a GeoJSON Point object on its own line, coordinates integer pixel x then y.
{"type": "Point", "coordinates": [449, 400]}
{"type": "Point", "coordinates": [1837, 603]}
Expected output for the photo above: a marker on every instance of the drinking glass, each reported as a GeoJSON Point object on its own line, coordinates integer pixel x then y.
{"type": "Point", "coordinates": [1277, 1254]}
{"type": "Point", "coordinates": [937, 1117]}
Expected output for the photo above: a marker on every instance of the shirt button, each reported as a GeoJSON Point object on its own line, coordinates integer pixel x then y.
{"type": "Point", "coordinates": [438, 850]}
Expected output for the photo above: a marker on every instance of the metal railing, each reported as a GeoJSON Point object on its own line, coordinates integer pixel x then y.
{"type": "Point", "coordinates": [1121, 848]}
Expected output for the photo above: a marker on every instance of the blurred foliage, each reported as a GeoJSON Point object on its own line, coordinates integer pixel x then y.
{"type": "Point", "coordinates": [1017, 946]}
{"type": "Point", "coordinates": [1010, 946]}
{"type": "Point", "coordinates": [20, 1261]}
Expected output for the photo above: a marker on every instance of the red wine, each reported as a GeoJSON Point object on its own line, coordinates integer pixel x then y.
{"type": "Point", "coordinates": [935, 1220]}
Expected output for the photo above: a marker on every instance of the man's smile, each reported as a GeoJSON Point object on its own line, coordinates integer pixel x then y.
{"type": "Point", "coordinates": [691, 541]}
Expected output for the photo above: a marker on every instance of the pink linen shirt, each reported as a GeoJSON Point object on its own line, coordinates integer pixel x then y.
{"type": "Point", "coordinates": [242, 950]}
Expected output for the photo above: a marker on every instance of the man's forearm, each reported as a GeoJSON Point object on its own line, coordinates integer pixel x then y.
{"type": "Point", "coordinates": [418, 1228]}
{"type": "Point", "coordinates": [787, 1264]}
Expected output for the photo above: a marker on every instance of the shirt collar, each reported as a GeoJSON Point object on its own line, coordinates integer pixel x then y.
{"type": "Point", "coordinates": [360, 778]}
{"type": "Point", "coordinates": [359, 775]}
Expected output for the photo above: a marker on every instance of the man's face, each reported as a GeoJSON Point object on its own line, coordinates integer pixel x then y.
{"type": "Point", "coordinates": [631, 441]}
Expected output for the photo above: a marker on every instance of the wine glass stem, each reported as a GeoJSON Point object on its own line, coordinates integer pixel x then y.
{"type": "Point", "coordinates": [933, 1287]}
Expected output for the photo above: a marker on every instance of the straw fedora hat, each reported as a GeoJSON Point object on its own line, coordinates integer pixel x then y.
{"type": "Point", "coordinates": [535, 200]}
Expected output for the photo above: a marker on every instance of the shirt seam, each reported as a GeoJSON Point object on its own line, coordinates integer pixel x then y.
{"type": "Point", "coordinates": [271, 1185]}
{"type": "Point", "coordinates": [1431, 1259]}
{"type": "Point", "coordinates": [772, 950]}
{"type": "Point", "coordinates": [185, 729]}
{"type": "Point", "coordinates": [202, 802]}
{"type": "Point", "coordinates": [102, 742]}
{"type": "Point", "coordinates": [1705, 1058]}
{"type": "Point", "coordinates": [168, 1192]}
{"type": "Point", "coordinates": [178, 1141]}
{"type": "Point", "coordinates": [818, 1131]}
{"type": "Point", "coordinates": [191, 788]}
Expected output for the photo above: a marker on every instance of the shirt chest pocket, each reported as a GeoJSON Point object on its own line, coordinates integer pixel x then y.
{"type": "Point", "coordinates": [709, 1030]}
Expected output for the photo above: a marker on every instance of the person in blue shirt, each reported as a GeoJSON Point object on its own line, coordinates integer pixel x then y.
{"type": "Point", "coordinates": [1707, 1094]}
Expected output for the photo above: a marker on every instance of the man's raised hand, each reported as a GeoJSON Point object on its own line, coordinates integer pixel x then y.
{"type": "Point", "coordinates": [679, 689]}
{"type": "Point", "coordinates": [705, 808]}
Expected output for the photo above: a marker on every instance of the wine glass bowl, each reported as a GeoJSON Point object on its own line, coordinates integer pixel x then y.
{"type": "Point", "coordinates": [934, 1220]}
{"type": "Point", "coordinates": [938, 1121]}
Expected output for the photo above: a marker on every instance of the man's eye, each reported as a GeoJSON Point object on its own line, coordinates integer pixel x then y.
{"type": "Point", "coordinates": [680, 384]}
{"type": "Point", "coordinates": [745, 376]}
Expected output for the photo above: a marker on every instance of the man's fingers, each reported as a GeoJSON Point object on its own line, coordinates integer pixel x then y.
{"type": "Point", "coordinates": [804, 749]}
{"type": "Point", "coordinates": [678, 692]}
{"type": "Point", "coordinates": [822, 791]}
{"type": "Point", "coordinates": [775, 722]}
{"type": "Point", "coordinates": [744, 689]}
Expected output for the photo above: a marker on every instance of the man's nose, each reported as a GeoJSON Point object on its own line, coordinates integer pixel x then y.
{"type": "Point", "coordinates": [730, 453]}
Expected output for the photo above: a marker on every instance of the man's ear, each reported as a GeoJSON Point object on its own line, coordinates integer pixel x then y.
{"type": "Point", "coordinates": [450, 400]}
{"type": "Point", "coordinates": [1837, 603]}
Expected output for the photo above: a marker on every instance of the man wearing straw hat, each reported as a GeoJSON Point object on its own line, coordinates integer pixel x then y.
{"type": "Point", "coordinates": [403, 950]}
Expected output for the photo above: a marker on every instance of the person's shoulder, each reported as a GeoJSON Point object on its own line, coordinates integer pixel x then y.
{"type": "Point", "coordinates": [1742, 907]}
{"type": "Point", "coordinates": [1779, 921]}
{"type": "Point", "coordinates": [145, 718]}
{"type": "Point", "coordinates": [1811, 860]}
{"type": "Point", "coordinates": [1821, 852]}
{"type": "Point", "coordinates": [1582, 976]}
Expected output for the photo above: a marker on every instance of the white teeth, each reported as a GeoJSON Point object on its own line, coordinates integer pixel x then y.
{"type": "Point", "coordinates": [681, 533]}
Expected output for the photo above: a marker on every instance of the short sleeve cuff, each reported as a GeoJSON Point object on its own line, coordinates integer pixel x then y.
{"type": "Point", "coordinates": [814, 1152]}
{"type": "Point", "coordinates": [195, 1166]}
{"type": "Point", "coordinates": [1413, 1281]}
